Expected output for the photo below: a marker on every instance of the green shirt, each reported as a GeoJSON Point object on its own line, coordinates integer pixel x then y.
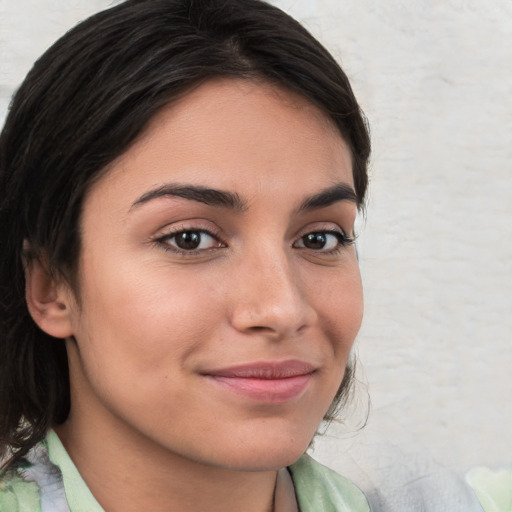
{"type": "Point", "coordinates": [47, 481]}
{"type": "Point", "coordinates": [493, 488]}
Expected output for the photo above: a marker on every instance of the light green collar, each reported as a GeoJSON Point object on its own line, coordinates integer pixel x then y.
{"type": "Point", "coordinates": [78, 495]}
{"type": "Point", "coordinates": [320, 489]}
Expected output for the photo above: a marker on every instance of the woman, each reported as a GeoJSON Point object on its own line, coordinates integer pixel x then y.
{"type": "Point", "coordinates": [179, 281]}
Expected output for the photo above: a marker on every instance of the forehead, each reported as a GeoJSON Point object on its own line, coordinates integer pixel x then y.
{"type": "Point", "coordinates": [236, 134]}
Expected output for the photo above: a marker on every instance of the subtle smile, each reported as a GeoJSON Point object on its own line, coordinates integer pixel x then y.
{"type": "Point", "coordinates": [266, 381]}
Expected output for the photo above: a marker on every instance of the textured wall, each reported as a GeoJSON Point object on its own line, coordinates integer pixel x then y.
{"type": "Point", "coordinates": [435, 79]}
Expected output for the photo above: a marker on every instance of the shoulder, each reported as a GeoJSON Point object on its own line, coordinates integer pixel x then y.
{"type": "Point", "coordinates": [493, 488]}
{"type": "Point", "coordinates": [18, 492]}
{"type": "Point", "coordinates": [320, 489]}
{"type": "Point", "coordinates": [32, 484]}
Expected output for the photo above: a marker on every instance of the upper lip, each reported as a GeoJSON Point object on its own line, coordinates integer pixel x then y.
{"type": "Point", "coordinates": [264, 370]}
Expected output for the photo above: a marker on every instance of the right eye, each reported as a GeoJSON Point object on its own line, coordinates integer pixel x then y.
{"type": "Point", "coordinates": [189, 240]}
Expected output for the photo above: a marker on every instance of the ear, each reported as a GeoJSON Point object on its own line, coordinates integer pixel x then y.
{"type": "Point", "coordinates": [49, 300]}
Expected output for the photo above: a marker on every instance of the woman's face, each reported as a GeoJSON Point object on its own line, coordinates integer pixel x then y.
{"type": "Point", "coordinates": [220, 293]}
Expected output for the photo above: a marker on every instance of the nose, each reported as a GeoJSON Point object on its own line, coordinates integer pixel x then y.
{"type": "Point", "coordinates": [270, 298]}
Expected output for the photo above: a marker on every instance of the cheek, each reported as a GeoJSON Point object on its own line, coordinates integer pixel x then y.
{"type": "Point", "coordinates": [144, 316]}
{"type": "Point", "coordinates": [340, 308]}
{"type": "Point", "coordinates": [134, 335]}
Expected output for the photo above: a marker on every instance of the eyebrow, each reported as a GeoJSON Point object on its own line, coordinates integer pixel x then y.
{"type": "Point", "coordinates": [329, 196]}
{"type": "Point", "coordinates": [232, 201]}
{"type": "Point", "coordinates": [209, 196]}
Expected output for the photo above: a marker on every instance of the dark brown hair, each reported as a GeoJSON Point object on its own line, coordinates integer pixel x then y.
{"type": "Point", "coordinates": [82, 105]}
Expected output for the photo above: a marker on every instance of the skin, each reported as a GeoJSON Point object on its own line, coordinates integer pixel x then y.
{"type": "Point", "coordinates": [148, 427]}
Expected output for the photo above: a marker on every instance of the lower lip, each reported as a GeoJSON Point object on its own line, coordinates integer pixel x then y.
{"type": "Point", "coordinates": [273, 391]}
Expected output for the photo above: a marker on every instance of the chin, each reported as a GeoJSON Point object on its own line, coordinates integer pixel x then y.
{"type": "Point", "coordinates": [267, 455]}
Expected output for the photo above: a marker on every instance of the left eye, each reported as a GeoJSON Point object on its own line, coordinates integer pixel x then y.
{"type": "Point", "coordinates": [321, 241]}
{"type": "Point", "coordinates": [191, 240]}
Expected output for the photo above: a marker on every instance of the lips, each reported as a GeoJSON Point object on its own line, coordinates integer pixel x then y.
{"type": "Point", "coordinates": [272, 382]}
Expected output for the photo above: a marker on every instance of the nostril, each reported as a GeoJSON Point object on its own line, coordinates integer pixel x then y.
{"type": "Point", "coordinates": [257, 328]}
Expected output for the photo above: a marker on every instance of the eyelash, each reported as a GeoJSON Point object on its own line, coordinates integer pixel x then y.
{"type": "Point", "coordinates": [344, 241]}
{"type": "Point", "coordinates": [163, 241]}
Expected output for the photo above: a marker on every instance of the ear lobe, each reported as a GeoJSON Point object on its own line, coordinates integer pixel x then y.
{"type": "Point", "coordinates": [48, 300]}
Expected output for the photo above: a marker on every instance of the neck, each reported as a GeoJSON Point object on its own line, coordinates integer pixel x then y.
{"type": "Point", "coordinates": [132, 475]}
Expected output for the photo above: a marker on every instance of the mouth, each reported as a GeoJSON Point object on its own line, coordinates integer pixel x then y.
{"type": "Point", "coordinates": [270, 382]}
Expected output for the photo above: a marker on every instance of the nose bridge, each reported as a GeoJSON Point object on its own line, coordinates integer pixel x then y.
{"type": "Point", "coordinates": [269, 294]}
